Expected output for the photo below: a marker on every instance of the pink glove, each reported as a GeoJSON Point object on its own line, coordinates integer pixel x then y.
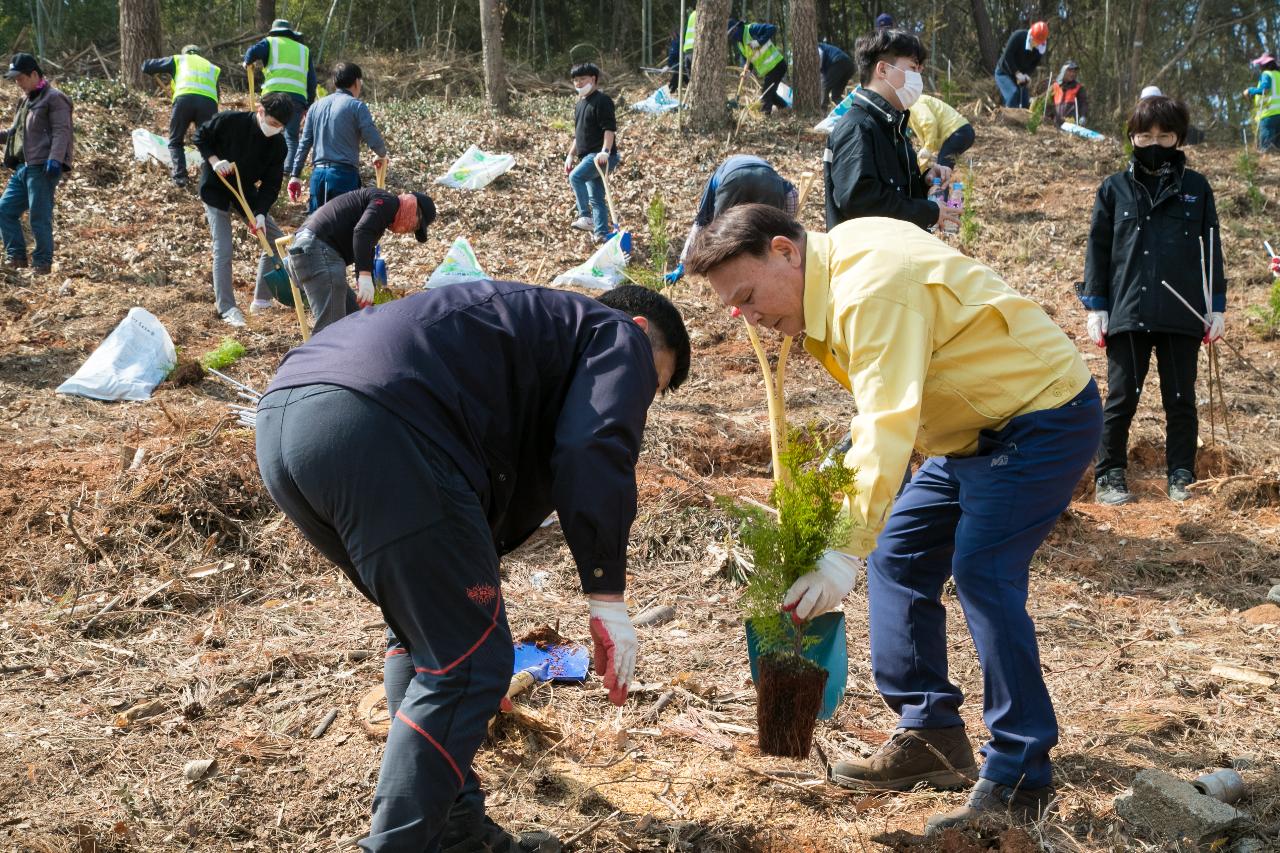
{"type": "Point", "coordinates": [295, 190]}
{"type": "Point", "coordinates": [615, 644]}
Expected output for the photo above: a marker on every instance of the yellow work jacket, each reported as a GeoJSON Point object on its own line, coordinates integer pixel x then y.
{"type": "Point", "coordinates": [934, 346]}
{"type": "Point", "coordinates": [932, 120]}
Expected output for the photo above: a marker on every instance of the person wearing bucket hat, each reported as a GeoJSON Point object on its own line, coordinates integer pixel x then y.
{"type": "Point", "coordinates": [195, 88]}
{"type": "Point", "coordinates": [38, 147]}
{"type": "Point", "coordinates": [1266, 102]}
{"type": "Point", "coordinates": [243, 147]}
{"type": "Point", "coordinates": [1018, 63]}
{"type": "Point", "coordinates": [343, 232]}
{"type": "Point", "coordinates": [286, 67]}
{"type": "Point", "coordinates": [416, 443]}
{"type": "Point", "coordinates": [1070, 102]}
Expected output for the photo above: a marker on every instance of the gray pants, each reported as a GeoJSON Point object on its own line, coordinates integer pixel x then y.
{"type": "Point", "coordinates": [220, 228]}
{"type": "Point", "coordinates": [322, 274]}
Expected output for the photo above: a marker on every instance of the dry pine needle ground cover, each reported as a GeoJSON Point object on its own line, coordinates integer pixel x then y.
{"type": "Point", "coordinates": [162, 612]}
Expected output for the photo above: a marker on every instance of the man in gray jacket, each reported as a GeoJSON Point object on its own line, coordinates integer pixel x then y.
{"type": "Point", "coordinates": [38, 148]}
{"type": "Point", "coordinates": [336, 126]}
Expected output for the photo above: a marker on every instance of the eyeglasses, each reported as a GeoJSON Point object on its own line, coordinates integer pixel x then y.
{"type": "Point", "coordinates": [1164, 140]}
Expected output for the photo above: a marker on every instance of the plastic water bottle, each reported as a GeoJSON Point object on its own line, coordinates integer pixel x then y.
{"type": "Point", "coordinates": [955, 200]}
{"type": "Point", "coordinates": [937, 193]}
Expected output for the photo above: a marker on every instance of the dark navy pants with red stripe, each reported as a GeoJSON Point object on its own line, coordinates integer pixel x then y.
{"type": "Point", "coordinates": [379, 500]}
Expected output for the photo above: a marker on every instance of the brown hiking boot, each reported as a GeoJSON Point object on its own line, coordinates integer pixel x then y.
{"type": "Point", "coordinates": [16, 263]}
{"type": "Point", "coordinates": [992, 800]}
{"type": "Point", "coordinates": [39, 270]}
{"type": "Point", "coordinates": [942, 758]}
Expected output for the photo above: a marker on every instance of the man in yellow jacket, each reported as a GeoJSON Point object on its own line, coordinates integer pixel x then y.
{"type": "Point", "coordinates": [944, 357]}
{"type": "Point", "coordinates": [942, 133]}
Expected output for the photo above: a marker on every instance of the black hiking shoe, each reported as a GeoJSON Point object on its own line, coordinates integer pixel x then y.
{"type": "Point", "coordinates": [468, 832]}
{"type": "Point", "coordinates": [942, 758]}
{"type": "Point", "coordinates": [1112, 489]}
{"type": "Point", "coordinates": [1179, 481]}
{"type": "Point", "coordinates": [992, 800]}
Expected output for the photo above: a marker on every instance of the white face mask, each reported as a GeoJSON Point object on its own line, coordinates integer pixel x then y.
{"type": "Point", "coordinates": [267, 129]}
{"type": "Point", "coordinates": [911, 89]}
{"type": "Point", "coordinates": [584, 90]}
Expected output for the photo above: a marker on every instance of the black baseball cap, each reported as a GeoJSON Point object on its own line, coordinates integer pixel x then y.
{"type": "Point", "coordinates": [22, 63]}
{"type": "Point", "coordinates": [426, 215]}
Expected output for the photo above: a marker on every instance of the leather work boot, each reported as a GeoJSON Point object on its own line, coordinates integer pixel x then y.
{"type": "Point", "coordinates": [1112, 489]}
{"type": "Point", "coordinates": [469, 832]}
{"type": "Point", "coordinates": [906, 760]}
{"type": "Point", "coordinates": [992, 800]}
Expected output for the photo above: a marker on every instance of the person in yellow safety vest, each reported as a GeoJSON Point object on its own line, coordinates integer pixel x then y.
{"type": "Point", "coordinates": [755, 43]}
{"type": "Point", "coordinates": [286, 67]}
{"type": "Point", "coordinates": [195, 99]}
{"type": "Point", "coordinates": [941, 133]}
{"type": "Point", "coordinates": [681, 53]}
{"type": "Point", "coordinates": [1266, 102]}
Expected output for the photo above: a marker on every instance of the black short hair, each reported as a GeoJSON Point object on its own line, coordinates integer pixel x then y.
{"type": "Point", "coordinates": [1172, 116]}
{"type": "Point", "coordinates": [637, 301]}
{"type": "Point", "coordinates": [278, 105]}
{"type": "Point", "coordinates": [747, 229]}
{"type": "Point", "coordinates": [585, 69]}
{"type": "Point", "coordinates": [885, 46]}
{"type": "Point", "coordinates": [345, 75]}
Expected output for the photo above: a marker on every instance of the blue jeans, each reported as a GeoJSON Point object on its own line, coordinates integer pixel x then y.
{"type": "Point", "coordinates": [1012, 94]}
{"type": "Point", "coordinates": [978, 519]}
{"type": "Point", "coordinates": [1269, 134]}
{"type": "Point", "coordinates": [292, 130]}
{"type": "Point", "coordinates": [330, 181]}
{"type": "Point", "coordinates": [588, 190]}
{"type": "Point", "coordinates": [30, 189]}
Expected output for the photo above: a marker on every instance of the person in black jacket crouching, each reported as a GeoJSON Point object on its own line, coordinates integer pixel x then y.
{"type": "Point", "coordinates": [1154, 222]}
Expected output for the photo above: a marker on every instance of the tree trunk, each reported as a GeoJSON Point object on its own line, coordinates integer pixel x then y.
{"type": "Point", "coordinates": [707, 107]}
{"type": "Point", "coordinates": [1135, 53]}
{"type": "Point", "coordinates": [987, 45]}
{"type": "Point", "coordinates": [139, 39]}
{"type": "Point", "coordinates": [266, 14]}
{"type": "Point", "coordinates": [806, 80]}
{"type": "Point", "coordinates": [495, 73]}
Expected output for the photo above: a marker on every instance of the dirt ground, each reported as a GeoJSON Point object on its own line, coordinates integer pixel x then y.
{"type": "Point", "coordinates": [163, 612]}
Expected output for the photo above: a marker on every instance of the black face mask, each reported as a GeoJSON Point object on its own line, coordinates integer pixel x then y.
{"type": "Point", "coordinates": [1153, 157]}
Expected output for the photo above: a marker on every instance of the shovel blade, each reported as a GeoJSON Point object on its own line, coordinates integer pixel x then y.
{"type": "Point", "coordinates": [277, 280]}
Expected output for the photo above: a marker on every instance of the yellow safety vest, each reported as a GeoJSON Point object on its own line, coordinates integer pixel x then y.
{"type": "Point", "coordinates": [764, 59]}
{"type": "Point", "coordinates": [286, 68]}
{"type": "Point", "coordinates": [195, 75]}
{"type": "Point", "coordinates": [1268, 103]}
{"type": "Point", "coordinates": [690, 32]}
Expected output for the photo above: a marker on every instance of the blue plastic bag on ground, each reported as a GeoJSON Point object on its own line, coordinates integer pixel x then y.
{"type": "Point", "coordinates": [829, 652]}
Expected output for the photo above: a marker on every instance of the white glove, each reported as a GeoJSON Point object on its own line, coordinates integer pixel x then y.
{"type": "Point", "coordinates": [602, 159]}
{"type": "Point", "coordinates": [1217, 323]}
{"type": "Point", "coordinates": [568, 163]}
{"type": "Point", "coordinates": [364, 289]}
{"type": "Point", "coordinates": [755, 45]}
{"type": "Point", "coordinates": [1097, 326]}
{"type": "Point", "coordinates": [259, 224]}
{"type": "Point", "coordinates": [224, 167]}
{"type": "Point", "coordinates": [615, 644]}
{"type": "Point", "coordinates": [1022, 79]}
{"type": "Point", "coordinates": [824, 588]}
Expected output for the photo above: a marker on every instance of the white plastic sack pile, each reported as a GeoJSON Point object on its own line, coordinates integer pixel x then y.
{"type": "Point", "coordinates": [661, 101]}
{"type": "Point", "coordinates": [603, 271]}
{"type": "Point", "coordinates": [129, 364]}
{"type": "Point", "coordinates": [476, 169]}
{"type": "Point", "coordinates": [828, 124]}
{"type": "Point", "coordinates": [459, 264]}
{"type": "Point", "coordinates": [149, 146]}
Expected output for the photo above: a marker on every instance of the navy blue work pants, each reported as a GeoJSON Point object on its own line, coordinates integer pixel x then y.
{"type": "Point", "coordinates": [978, 519]}
{"type": "Point", "coordinates": [397, 516]}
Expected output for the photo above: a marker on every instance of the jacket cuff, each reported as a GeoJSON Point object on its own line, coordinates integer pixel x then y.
{"type": "Point", "coordinates": [861, 543]}
{"type": "Point", "coordinates": [1220, 303]}
{"type": "Point", "coordinates": [1096, 303]}
{"type": "Point", "coordinates": [603, 576]}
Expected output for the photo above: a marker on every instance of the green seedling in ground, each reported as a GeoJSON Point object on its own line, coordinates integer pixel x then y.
{"type": "Point", "coordinates": [1037, 113]}
{"type": "Point", "coordinates": [809, 521]}
{"type": "Point", "coordinates": [1247, 166]}
{"type": "Point", "coordinates": [384, 294]}
{"type": "Point", "coordinates": [659, 241]}
{"type": "Point", "coordinates": [1269, 313]}
{"type": "Point", "coordinates": [228, 353]}
{"type": "Point", "coordinates": [969, 227]}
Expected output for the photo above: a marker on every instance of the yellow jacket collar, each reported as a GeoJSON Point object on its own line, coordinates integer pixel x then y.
{"type": "Point", "coordinates": [817, 284]}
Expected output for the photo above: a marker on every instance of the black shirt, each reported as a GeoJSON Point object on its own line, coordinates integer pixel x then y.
{"type": "Point", "coordinates": [592, 116]}
{"type": "Point", "coordinates": [236, 136]}
{"type": "Point", "coordinates": [538, 395]}
{"type": "Point", "coordinates": [354, 222]}
{"type": "Point", "coordinates": [1017, 58]}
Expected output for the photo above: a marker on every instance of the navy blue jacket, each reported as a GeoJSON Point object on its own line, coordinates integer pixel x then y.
{"type": "Point", "coordinates": [538, 395]}
{"type": "Point", "coordinates": [828, 55]}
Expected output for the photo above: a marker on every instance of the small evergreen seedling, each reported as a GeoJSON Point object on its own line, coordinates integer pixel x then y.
{"type": "Point", "coordinates": [228, 353]}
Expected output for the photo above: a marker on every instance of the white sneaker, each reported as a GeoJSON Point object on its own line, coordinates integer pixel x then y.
{"type": "Point", "coordinates": [258, 306]}
{"type": "Point", "coordinates": [234, 317]}
{"type": "Point", "coordinates": [583, 223]}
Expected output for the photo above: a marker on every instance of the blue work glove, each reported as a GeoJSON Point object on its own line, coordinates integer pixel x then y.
{"type": "Point", "coordinates": [52, 167]}
{"type": "Point", "coordinates": [675, 275]}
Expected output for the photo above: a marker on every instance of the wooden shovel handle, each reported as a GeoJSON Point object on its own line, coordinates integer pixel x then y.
{"type": "Point", "coordinates": [282, 245]}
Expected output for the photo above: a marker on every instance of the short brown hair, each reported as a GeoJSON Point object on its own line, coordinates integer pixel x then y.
{"type": "Point", "coordinates": [1172, 115]}
{"type": "Point", "coordinates": [744, 229]}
